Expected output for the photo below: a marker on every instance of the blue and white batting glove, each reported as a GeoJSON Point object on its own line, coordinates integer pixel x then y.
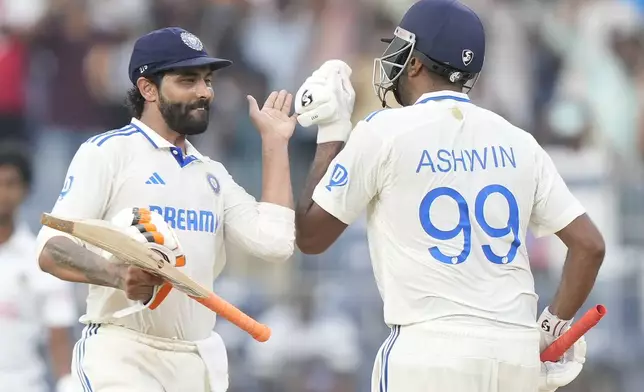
{"type": "Point", "coordinates": [561, 373]}
{"type": "Point", "coordinates": [149, 228]}
{"type": "Point", "coordinates": [326, 99]}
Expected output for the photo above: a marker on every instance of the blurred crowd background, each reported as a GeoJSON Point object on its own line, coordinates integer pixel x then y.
{"type": "Point", "coordinates": [569, 71]}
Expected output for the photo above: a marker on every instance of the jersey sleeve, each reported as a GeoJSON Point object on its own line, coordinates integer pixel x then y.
{"type": "Point", "coordinates": [354, 176]}
{"type": "Point", "coordinates": [86, 190]}
{"type": "Point", "coordinates": [265, 230]}
{"type": "Point", "coordinates": [554, 207]}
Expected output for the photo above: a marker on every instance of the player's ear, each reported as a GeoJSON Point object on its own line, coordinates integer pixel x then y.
{"type": "Point", "coordinates": [148, 89]}
{"type": "Point", "coordinates": [414, 67]}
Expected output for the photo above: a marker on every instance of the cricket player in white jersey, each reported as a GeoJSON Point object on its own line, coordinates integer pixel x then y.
{"type": "Point", "coordinates": [35, 308]}
{"type": "Point", "coordinates": [147, 172]}
{"type": "Point", "coordinates": [450, 190]}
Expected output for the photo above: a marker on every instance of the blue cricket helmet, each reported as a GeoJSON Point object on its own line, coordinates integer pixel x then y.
{"type": "Point", "coordinates": [445, 35]}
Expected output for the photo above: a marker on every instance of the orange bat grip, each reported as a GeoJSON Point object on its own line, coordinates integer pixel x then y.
{"type": "Point", "coordinates": [557, 349]}
{"type": "Point", "coordinates": [161, 294]}
{"type": "Point", "coordinates": [258, 331]}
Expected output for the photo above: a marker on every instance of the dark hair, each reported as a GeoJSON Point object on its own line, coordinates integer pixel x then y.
{"type": "Point", "coordinates": [134, 101]}
{"type": "Point", "coordinates": [13, 153]}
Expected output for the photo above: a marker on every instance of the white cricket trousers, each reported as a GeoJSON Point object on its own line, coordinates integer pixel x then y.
{"type": "Point", "coordinates": [110, 358]}
{"type": "Point", "coordinates": [441, 356]}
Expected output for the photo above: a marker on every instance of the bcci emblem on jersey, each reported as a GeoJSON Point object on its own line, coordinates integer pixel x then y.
{"type": "Point", "coordinates": [339, 177]}
{"type": "Point", "coordinates": [214, 183]}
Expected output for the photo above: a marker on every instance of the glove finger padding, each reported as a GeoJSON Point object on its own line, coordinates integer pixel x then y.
{"type": "Point", "coordinates": [315, 104]}
{"type": "Point", "coordinates": [326, 99]}
{"type": "Point", "coordinates": [347, 87]}
{"type": "Point", "coordinates": [149, 228]}
{"type": "Point", "coordinates": [336, 66]}
{"type": "Point", "coordinates": [558, 374]}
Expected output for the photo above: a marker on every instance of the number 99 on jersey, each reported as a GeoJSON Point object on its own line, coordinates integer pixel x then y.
{"type": "Point", "coordinates": [464, 224]}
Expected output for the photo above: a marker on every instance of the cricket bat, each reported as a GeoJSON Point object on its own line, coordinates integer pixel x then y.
{"type": "Point", "coordinates": [109, 238]}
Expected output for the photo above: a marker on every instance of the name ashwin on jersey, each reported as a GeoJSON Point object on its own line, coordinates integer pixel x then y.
{"type": "Point", "coordinates": [467, 160]}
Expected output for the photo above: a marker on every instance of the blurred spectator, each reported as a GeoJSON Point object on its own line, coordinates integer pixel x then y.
{"type": "Point", "coordinates": [506, 86]}
{"type": "Point", "coordinates": [73, 111]}
{"type": "Point", "coordinates": [585, 34]}
{"type": "Point", "coordinates": [309, 351]}
{"type": "Point", "coordinates": [35, 308]}
{"type": "Point", "coordinates": [18, 19]}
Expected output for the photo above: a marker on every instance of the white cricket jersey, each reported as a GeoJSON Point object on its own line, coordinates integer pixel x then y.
{"type": "Point", "coordinates": [135, 167]}
{"type": "Point", "coordinates": [31, 302]}
{"type": "Point", "coordinates": [450, 191]}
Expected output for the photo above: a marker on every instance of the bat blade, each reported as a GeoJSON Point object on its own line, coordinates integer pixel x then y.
{"type": "Point", "coordinates": [110, 238]}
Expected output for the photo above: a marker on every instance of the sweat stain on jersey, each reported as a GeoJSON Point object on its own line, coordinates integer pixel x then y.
{"type": "Point", "coordinates": [456, 112]}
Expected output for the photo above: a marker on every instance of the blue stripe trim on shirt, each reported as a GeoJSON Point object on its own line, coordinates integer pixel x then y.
{"type": "Point", "coordinates": [372, 115]}
{"type": "Point", "coordinates": [384, 357]}
{"type": "Point", "coordinates": [76, 360]}
{"type": "Point", "coordinates": [146, 135]}
{"type": "Point", "coordinates": [442, 97]}
{"type": "Point", "coordinates": [132, 132]}
{"type": "Point", "coordinates": [397, 327]}
{"type": "Point", "coordinates": [95, 138]}
{"type": "Point", "coordinates": [88, 331]}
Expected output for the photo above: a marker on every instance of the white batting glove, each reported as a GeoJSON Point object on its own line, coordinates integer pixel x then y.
{"type": "Point", "coordinates": [561, 373]}
{"type": "Point", "coordinates": [149, 228]}
{"type": "Point", "coordinates": [326, 99]}
{"type": "Point", "coordinates": [550, 328]}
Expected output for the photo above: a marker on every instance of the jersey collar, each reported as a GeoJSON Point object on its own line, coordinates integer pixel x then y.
{"type": "Point", "coordinates": [442, 95]}
{"type": "Point", "coordinates": [159, 142]}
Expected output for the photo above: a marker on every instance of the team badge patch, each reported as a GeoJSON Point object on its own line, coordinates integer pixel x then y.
{"type": "Point", "coordinates": [468, 56]}
{"type": "Point", "coordinates": [214, 183]}
{"type": "Point", "coordinates": [339, 177]}
{"type": "Point", "coordinates": [191, 41]}
{"type": "Point", "coordinates": [66, 187]}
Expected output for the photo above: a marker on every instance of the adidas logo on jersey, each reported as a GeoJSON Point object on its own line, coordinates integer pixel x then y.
{"type": "Point", "coordinates": [155, 178]}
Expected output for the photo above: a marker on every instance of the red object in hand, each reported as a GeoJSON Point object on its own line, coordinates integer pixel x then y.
{"type": "Point", "coordinates": [557, 349]}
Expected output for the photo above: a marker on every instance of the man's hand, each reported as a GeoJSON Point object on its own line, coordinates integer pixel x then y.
{"type": "Point", "coordinates": [558, 374]}
{"type": "Point", "coordinates": [326, 99]}
{"type": "Point", "coordinates": [148, 228]}
{"type": "Point", "coordinates": [550, 328]}
{"type": "Point", "coordinates": [139, 285]}
{"type": "Point", "coordinates": [273, 120]}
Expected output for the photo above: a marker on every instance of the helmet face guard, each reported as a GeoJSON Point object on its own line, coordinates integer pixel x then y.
{"type": "Point", "coordinates": [388, 69]}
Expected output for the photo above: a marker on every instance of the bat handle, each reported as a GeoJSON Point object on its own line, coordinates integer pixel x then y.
{"type": "Point", "coordinates": [559, 347]}
{"type": "Point", "coordinates": [258, 331]}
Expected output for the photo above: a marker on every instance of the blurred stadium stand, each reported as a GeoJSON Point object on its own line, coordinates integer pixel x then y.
{"type": "Point", "coordinates": [571, 72]}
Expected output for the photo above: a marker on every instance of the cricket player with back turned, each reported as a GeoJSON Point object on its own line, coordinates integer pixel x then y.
{"type": "Point", "coordinates": [149, 180]}
{"type": "Point", "coordinates": [450, 190]}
